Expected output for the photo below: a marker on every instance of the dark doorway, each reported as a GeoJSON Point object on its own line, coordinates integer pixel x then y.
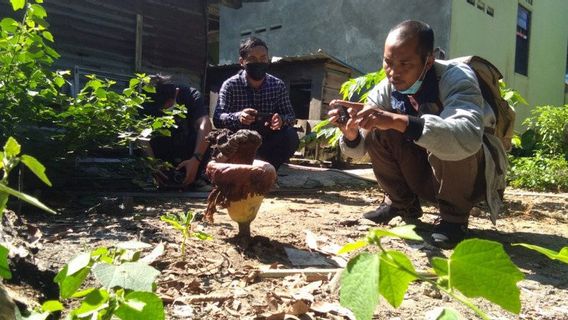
{"type": "Point", "coordinates": [300, 97]}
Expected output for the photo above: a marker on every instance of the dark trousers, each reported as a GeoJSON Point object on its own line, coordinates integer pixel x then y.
{"type": "Point", "coordinates": [177, 148]}
{"type": "Point", "coordinates": [406, 171]}
{"type": "Point", "coordinates": [278, 146]}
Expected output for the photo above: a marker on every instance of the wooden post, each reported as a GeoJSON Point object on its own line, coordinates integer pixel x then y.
{"type": "Point", "coordinates": [138, 52]}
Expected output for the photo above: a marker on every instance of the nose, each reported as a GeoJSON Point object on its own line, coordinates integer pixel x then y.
{"type": "Point", "coordinates": [392, 73]}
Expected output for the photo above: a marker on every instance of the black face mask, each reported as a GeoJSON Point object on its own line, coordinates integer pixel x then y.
{"type": "Point", "coordinates": [256, 70]}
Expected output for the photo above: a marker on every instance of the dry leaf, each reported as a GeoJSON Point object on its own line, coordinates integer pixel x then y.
{"type": "Point", "coordinates": [332, 308]}
{"type": "Point", "coordinates": [298, 308]}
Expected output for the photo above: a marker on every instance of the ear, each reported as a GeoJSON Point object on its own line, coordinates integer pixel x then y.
{"type": "Point", "coordinates": [242, 62]}
{"type": "Point", "coordinates": [429, 61]}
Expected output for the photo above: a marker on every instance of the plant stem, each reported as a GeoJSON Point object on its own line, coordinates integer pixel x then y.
{"type": "Point", "coordinates": [462, 300]}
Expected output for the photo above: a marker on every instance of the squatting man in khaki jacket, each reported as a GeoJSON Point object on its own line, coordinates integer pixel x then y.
{"type": "Point", "coordinates": [423, 127]}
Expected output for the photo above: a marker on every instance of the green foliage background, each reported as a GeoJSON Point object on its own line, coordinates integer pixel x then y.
{"type": "Point", "coordinates": [34, 109]}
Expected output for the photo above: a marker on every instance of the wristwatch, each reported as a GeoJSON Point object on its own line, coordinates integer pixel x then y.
{"type": "Point", "coordinates": [198, 156]}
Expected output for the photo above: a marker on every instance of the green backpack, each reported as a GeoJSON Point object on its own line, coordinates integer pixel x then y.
{"type": "Point", "coordinates": [488, 77]}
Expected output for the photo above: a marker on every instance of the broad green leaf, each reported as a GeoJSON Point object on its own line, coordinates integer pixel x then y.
{"type": "Point", "coordinates": [135, 276]}
{"type": "Point", "coordinates": [172, 220]}
{"type": "Point", "coordinates": [12, 148]}
{"type": "Point", "coordinates": [9, 25]}
{"type": "Point", "coordinates": [99, 252]}
{"type": "Point", "coordinates": [320, 125]}
{"type": "Point", "coordinates": [396, 272]}
{"type": "Point", "coordinates": [133, 245]}
{"type": "Point", "coordinates": [4, 263]}
{"type": "Point", "coordinates": [71, 277]}
{"type": "Point", "coordinates": [68, 285]}
{"type": "Point", "coordinates": [47, 35]}
{"type": "Point", "coordinates": [133, 82]}
{"type": "Point", "coordinates": [101, 93]}
{"type": "Point", "coordinates": [561, 255]}
{"type": "Point", "coordinates": [508, 95]}
{"type": "Point", "coordinates": [78, 263]}
{"type": "Point", "coordinates": [149, 89]}
{"type": "Point", "coordinates": [82, 293]}
{"type": "Point", "coordinates": [404, 232]}
{"type": "Point", "coordinates": [201, 235]}
{"type": "Point", "coordinates": [36, 167]}
{"type": "Point", "coordinates": [18, 4]}
{"type": "Point", "coordinates": [440, 266]}
{"type": "Point", "coordinates": [482, 268]}
{"type": "Point", "coordinates": [29, 199]}
{"type": "Point", "coordinates": [38, 11]}
{"type": "Point", "coordinates": [52, 306]}
{"type": "Point", "coordinates": [445, 314]}
{"type": "Point", "coordinates": [360, 285]}
{"type": "Point", "coordinates": [59, 81]}
{"type": "Point", "coordinates": [141, 305]}
{"type": "Point", "coordinates": [94, 302]}
{"type": "Point", "coordinates": [352, 246]}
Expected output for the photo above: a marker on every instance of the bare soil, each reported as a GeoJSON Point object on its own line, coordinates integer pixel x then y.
{"type": "Point", "coordinates": [298, 228]}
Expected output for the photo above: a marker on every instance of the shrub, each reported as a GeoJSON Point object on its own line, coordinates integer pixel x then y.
{"type": "Point", "coordinates": [540, 172]}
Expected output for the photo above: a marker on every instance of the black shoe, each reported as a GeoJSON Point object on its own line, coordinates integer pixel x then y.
{"type": "Point", "coordinates": [386, 212]}
{"type": "Point", "coordinates": [447, 235]}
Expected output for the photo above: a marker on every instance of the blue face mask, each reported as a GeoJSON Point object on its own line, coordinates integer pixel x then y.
{"type": "Point", "coordinates": [416, 85]}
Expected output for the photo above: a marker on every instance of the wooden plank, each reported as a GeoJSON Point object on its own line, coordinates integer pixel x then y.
{"type": "Point", "coordinates": [281, 273]}
{"type": "Point", "coordinates": [138, 52]}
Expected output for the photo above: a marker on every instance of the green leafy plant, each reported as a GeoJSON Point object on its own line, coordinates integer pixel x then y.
{"type": "Point", "coordinates": [183, 223]}
{"type": "Point", "coordinates": [28, 89]}
{"type": "Point", "coordinates": [10, 157]}
{"type": "Point", "coordinates": [550, 127]}
{"type": "Point", "coordinates": [476, 268]}
{"type": "Point", "coordinates": [512, 96]}
{"type": "Point", "coordinates": [328, 136]}
{"type": "Point", "coordinates": [539, 172]}
{"type": "Point", "coordinates": [539, 159]}
{"type": "Point", "coordinates": [361, 86]}
{"type": "Point", "coordinates": [101, 117]}
{"type": "Point", "coordinates": [561, 255]}
{"type": "Point", "coordinates": [127, 284]}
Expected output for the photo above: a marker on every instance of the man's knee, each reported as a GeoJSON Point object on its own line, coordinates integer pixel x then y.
{"type": "Point", "coordinates": [285, 139]}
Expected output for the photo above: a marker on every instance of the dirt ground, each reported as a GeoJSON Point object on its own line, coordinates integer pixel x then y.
{"type": "Point", "coordinates": [298, 227]}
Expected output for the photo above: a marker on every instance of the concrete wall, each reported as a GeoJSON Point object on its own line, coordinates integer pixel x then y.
{"type": "Point", "coordinates": [473, 31]}
{"type": "Point", "coordinates": [352, 30]}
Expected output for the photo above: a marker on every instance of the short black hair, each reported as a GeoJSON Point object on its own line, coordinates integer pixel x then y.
{"type": "Point", "coordinates": [165, 89]}
{"type": "Point", "coordinates": [248, 44]}
{"type": "Point", "coordinates": [412, 28]}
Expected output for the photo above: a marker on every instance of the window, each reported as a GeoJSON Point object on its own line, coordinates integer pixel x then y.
{"type": "Point", "coordinates": [481, 5]}
{"type": "Point", "coordinates": [246, 33]}
{"type": "Point", "coordinates": [490, 11]}
{"type": "Point", "coordinates": [523, 34]}
{"type": "Point", "coordinates": [472, 2]}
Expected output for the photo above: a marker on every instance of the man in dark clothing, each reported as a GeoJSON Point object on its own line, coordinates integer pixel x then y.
{"type": "Point", "coordinates": [186, 148]}
{"type": "Point", "coordinates": [253, 99]}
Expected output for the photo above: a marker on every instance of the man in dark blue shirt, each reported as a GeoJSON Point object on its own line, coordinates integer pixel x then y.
{"type": "Point", "coordinates": [186, 148]}
{"type": "Point", "coordinates": [253, 99]}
